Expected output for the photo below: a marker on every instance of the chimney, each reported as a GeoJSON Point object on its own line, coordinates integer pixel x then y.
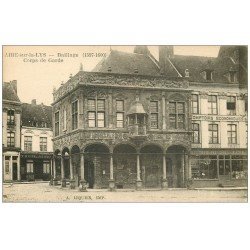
{"type": "Point", "coordinates": [14, 85]}
{"type": "Point", "coordinates": [141, 49]}
{"type": "Point", "coordinates": [33, 102]}
{"type": "Point", "coordinates": [165, 52]}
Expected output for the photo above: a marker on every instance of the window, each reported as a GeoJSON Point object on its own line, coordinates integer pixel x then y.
{"type": "Point", "coordinates": [224, 164]}
{"type": "Point", "coordinates": [27, 143]}
{"type": "Point", "coordinates": [65, 119]}
{"type": "Point", "coordinates": [7, 164]}
{"type": "Point", "coordinates": [74, 115]}
{"type": "Point", "coordinates": [91, 119]}
{"type": "Point", "coordinates": [43, 144]}
{"type": "Point", "coordinates": [196, 132]}
{"type": "Point", "coordinates": [204, 167]}
{"type": "Point", "coordinates": [46, 167]}
{"type": "Point", "coordinates": [10, 117]}
{"type": "Point", "coordinates": [57, 123]}
{"type": "Point", "coordinates": [232, 76]}
{"type": "Point", "coordinates": [119, 113]}
{"type": "Point", "coordinates": [29, 166]}
{"type": "Point", "coordinates": [176, 115]}
{"type": "Point", "coordinates": [213, 133]}
{"type": "Point", "coordinates": [194, 104]}
{"type": "Point", "coordinates": [154, 114]}
{"type": "Point", "coordinates": [100, 119]}
{"type": "Point", "coordinates": [212, 104]}
{"type": "Point", "coordinates": [96, 113]}
{"type": "Point", "coordinates": [239, 167]}
{"type": "Point", "coordinates": [231, 134]}
{"type": "Point", "coordinates": [231, 105]}
{"type": "Point", "coordinates": [208, 75]}
{"type": "Point", "coordinates": [10, 139]}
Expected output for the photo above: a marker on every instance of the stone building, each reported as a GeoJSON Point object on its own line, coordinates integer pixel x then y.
{"type": "Point", "coordinates": [36, 142]}
{"type": "Point", "coordinates": [11, 132]}
{"type": "Point", "coordinates": [135, 122]}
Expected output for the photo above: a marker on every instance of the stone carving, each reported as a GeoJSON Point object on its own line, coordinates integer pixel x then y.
{"type": "Point", "coordinates": [113, 138]}
{"type": "Point", "coordinates": [93, 78]}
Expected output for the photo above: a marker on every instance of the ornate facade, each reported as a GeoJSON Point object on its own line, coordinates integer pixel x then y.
{"type": "Point", "coordinates": [139, 126]}
{"type": "Point", "coordinates": [114, 134]}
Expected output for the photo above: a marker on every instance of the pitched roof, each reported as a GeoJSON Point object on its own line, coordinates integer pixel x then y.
{"type": "Point", "coordinates": [197, 64]}
{"type": "Point", "coordinates": [9, 92]}
{"type": "Point", "coordinates": [127, 63]}
{"type": "Point", "coordinates": [36, 115]}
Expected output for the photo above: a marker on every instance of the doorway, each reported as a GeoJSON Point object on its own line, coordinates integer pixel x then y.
{"type": "Point", "coordinates": [89, 172]}
{"type": "Point", "coordinates": [176, 166]}
{"type": "Point", "coordinates": [14, 169]}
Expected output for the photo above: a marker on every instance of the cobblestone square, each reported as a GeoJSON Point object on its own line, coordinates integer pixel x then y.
{"type": "Point", "coordinates": [42, 192]}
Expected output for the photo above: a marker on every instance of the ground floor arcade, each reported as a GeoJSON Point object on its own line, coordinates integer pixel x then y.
{"type": "Point", "coordinates": [124, 167]}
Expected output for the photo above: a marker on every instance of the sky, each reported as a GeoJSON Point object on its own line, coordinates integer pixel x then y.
{"type": "Point", "coordinates": [37, 72]}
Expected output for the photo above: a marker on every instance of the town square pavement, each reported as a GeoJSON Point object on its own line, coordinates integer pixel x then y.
{"type": "Point", "coordinates": [43, 192]}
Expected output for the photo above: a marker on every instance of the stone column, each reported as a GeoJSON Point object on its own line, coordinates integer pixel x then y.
{"type": "Point", "coordinates": [163, 112]}
{"type": "Point", "coordinates": [183, 170]}
{"type": "Point", "coordinates": [72, 181]}
{"type": "Point", "coordinates": [111, 178]}
{"type": "Point", "coordinates": [62, 172]}
{"type": "Point", "coordinates": [54, 171]}
{"type": "Point", "coordinates": [164, 173]}
{"type": "Point", "coordinates": [83, 183]}
{"type": "Point", "coordinates": [138, 171]}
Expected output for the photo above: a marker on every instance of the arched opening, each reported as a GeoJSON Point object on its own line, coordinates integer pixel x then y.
{"type": "Point", "coordinates": [57, 156]}
{"type": "Point", "coordinates": [75, 160]}
{"type": "Point", "coordinates": [124, 166]}
{"type": "Point", "coordinates": [176, 166]}
{"type": "Point", "coordinates": [65, 156]}
{"type": "Point", "coordinates": [96, 166]}
{"type": "Point", "coordinates": [151, 165]}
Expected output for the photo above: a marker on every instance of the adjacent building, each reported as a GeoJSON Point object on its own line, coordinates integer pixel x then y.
{"type": "Point", "coordinates": [27, 138]}
{"type": "Point", "coordinates": [36, 142]}
{"type": "Point", "coordinates": [135, 122]}
{"type": "Point", "coordinates": [11, 122]}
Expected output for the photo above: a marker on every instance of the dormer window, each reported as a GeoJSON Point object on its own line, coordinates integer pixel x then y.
{"type": "Point", "coordinates": [109, 69]}
{"type": "Point", "coordinates": [186, 73]}
{"type": "Point", "coordinates": [136, 71]}
{"type": "Point", "coordinates": [208, 75]}
{"type": "Point", "coordinates": [232, 76]}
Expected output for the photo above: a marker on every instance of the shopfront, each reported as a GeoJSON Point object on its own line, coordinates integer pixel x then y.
{"type": "Point", "coordinates": [36, 167]}
{"type": "Point", "coordinates": [219, 168]}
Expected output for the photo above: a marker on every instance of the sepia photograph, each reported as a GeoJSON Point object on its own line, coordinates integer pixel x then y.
{"type": "Point", "coordinates": [125, 123]}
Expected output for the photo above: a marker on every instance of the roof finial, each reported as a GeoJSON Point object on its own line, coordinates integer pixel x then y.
{"type": "Point", "coordinates": [81, 67]}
